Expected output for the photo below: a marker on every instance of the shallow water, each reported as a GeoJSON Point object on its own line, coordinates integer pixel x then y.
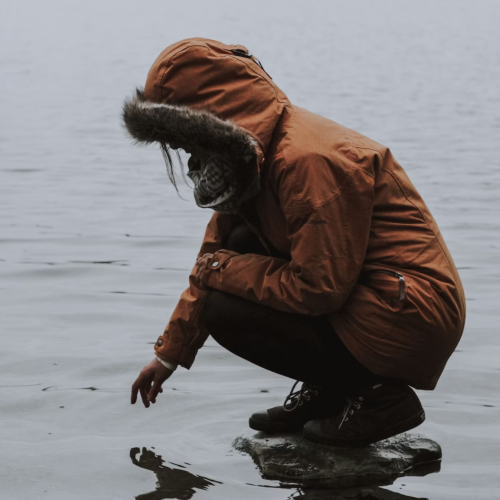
{"type": "Point", "coordinates": [95, 246]}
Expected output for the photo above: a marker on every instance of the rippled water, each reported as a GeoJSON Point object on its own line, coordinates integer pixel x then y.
{"type": "Point", "coordinates": [95, 246]}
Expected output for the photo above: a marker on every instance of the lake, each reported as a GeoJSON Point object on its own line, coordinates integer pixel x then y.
{"type": "Point", "coordinates": [96, 246]}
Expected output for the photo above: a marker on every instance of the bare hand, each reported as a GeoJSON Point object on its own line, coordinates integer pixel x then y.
{"type": "Point", "coordinates": [149, 382]}
{"type": "Point", "coordinates": [201, 264]}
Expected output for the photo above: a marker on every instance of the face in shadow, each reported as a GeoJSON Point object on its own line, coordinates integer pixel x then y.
{"type": "Point", "coordinates": [171, 482]}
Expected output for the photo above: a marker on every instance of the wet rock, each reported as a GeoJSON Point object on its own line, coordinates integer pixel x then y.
{"type": "Point", "coordinates": [291, 459]}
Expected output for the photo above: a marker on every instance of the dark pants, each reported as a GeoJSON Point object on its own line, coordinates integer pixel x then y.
{"type": "Point", "coordinates": [298, 346]}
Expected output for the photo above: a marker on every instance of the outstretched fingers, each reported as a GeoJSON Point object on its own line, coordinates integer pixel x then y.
{"type": "Point", "coordinates": [141, 385]}
{"type": "Point", "coordinates": [155, 389]}
{"type": "Point", "coordinates": [149, 382]}
{"type": "Point", "coordinates": [144, 394]}
{"type": "Point", "coordinates": [136, 387]}
{"type": "Point", "coordinates": [133, 395]}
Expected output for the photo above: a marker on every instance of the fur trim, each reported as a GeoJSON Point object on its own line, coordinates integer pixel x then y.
{"type": "Point", "coordinates": [189, 129]}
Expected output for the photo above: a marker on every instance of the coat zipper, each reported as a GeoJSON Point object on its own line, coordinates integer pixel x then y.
{"type": "Point", "coordinates": [401, 279]}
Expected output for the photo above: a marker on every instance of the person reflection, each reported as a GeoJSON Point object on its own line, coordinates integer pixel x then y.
{"type": "Point", "coordinates": [172, 483]}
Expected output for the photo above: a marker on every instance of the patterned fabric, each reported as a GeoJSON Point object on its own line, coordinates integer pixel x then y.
{"type": "Point", "coordinates": [215, 185]}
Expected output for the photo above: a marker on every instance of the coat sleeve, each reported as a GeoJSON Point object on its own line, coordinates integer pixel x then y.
{"type": "Point", "coordinates": [328, 246]}
{"type": "Point", "coordinates": [185, 333]}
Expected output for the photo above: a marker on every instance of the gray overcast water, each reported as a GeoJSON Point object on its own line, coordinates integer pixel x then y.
{"type": "Point", "coordinates": [95, 246]}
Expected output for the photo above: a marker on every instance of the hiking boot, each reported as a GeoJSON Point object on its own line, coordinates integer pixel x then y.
{"type": "Point", "coordinates": [373, 414]}
{"type": "Point", "coordinates": [310, 402]}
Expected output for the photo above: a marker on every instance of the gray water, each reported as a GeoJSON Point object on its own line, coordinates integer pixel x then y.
{"type": "Point", "coordinates": [95, 246]}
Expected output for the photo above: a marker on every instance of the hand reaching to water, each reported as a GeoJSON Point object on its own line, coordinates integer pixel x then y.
{"type": "Point", "coordinates": [152, 376]}
{"type": "Point", "coordinates": [149, 382]}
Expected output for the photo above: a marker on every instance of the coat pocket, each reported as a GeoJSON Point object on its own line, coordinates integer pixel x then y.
{"type": "Point", "coordinates": [389, 286]}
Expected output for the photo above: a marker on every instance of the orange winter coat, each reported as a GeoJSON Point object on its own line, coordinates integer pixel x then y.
{"type": "Point", "coordinates": [347, 232]}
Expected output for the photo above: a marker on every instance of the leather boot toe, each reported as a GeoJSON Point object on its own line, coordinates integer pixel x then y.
{"type": "Point", "coordinates": [308, 403]}
{"type": "Point", "coordinates": [260, 417]}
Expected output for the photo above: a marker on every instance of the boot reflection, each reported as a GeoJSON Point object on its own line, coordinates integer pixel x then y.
{"type": "Point", "coordinates": [172, 483]}
{"type": "Point", "coordinates": [367, 493]}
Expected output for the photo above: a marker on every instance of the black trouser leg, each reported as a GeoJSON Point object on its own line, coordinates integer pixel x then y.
{"type": "Point", "coordinates": [298, 346]}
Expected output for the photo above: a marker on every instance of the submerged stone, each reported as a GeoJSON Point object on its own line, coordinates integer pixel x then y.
{"type": "Point", "coordinates": [291, 459]}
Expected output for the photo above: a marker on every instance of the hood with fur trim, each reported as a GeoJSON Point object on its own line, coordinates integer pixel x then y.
{"type": "Point", "coordinates": [209, 98]}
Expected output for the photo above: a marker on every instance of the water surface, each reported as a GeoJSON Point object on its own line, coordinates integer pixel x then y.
{"type": "Point", "coordinates": [95, 246]}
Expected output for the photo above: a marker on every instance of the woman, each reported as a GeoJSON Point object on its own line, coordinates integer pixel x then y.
{"type": "Point", "coordinates": [321, 262]}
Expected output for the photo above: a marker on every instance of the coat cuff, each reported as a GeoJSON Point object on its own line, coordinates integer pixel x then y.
{"type": "Point", "coordinates": [168, 364]}
{"type": "Point", "coordinates": [169, 351]}
{"type": "Point", "coordinates": [175, 352]}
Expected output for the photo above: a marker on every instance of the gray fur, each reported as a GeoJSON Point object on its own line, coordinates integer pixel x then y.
{"type": "Point", "coordinates": [189, 129]}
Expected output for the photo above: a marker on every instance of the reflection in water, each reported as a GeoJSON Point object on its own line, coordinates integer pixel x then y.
{"type": "Point", "coordinates": [172, 483]}
{"type": "Point", "coordinates": [374, 492]}
{"type": "Point", "coordinates": [351, 494]}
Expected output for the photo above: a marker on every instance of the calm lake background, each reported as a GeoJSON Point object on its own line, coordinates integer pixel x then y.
{"type": "Point", "coordinates": [95, 246]}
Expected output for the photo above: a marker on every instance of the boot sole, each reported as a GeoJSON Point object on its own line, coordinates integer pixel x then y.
{"type": "Point", "coordinates": [404, 426]}
{"type": "Point", "coordinates": [273, 427]}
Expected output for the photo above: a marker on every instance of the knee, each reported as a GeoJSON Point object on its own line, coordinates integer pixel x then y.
{"type": "Point", "coordinates": [242, 240]}
{"type": "Point", "coordinates": [238, 238]}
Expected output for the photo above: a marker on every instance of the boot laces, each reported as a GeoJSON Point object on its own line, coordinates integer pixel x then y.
{"type": "Point", "coordinates": [351, 405]}
{"type": "Point", "coordinates": [297, 398]}
{"type": "Point", "coordinates": [355, 403]}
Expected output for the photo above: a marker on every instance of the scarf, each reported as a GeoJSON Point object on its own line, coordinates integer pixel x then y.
{"type": "Point", "coordinates": [215, 185]}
